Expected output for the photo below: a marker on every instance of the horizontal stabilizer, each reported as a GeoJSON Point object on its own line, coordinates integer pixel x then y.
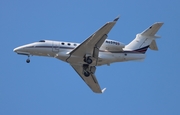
{"type": "Point", "coordinates": [153, 45]}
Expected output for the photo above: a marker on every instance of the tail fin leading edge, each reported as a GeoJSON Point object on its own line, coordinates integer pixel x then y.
{"type": "Point", "coordinates": [145, 40]}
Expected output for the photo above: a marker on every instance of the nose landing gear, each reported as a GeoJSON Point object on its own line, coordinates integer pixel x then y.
{"type": "Point", "coordinates": [28, 60]}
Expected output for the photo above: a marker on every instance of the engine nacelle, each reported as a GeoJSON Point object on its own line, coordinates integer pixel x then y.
{"type": "Point", "coordinates": [112, 45]}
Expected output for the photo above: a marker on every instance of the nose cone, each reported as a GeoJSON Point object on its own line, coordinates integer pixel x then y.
{"type": "Point", "coordinates": [17, 49]}
{"type": "Point", "coordinates": [20, 50]}
{"type": "Point", "coordinates": [24, 50]}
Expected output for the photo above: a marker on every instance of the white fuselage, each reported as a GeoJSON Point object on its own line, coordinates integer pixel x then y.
{"type": "Point", "coordinates": [110, 51]}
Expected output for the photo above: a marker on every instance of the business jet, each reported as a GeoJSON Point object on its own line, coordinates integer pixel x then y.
{"type": "Point", "coordinates": [96, 50]}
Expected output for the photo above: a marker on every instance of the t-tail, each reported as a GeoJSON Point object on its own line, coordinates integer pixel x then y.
{"type": "Point", "coordinates": [145, 40]}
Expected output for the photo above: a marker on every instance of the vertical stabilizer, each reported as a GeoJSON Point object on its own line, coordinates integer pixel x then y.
{"type": "Point", "coordinates": [145, 39]}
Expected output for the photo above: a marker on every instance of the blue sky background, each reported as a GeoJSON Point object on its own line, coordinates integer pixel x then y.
{"type": "Point", "coordinates": [48, 86]}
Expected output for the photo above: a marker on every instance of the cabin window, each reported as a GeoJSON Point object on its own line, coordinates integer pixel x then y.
{"type": "Point", "coordinates": [69, 44]}
{"type": "Point", "coordinates": [62, 43]}
{"type": "Point", "coordinates": [42, 41]}
{"type": "Point", "coordinates": [75, 44]}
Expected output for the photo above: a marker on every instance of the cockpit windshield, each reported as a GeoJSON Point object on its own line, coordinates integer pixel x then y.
{"type": "Point", "coordinates": [42, 41]}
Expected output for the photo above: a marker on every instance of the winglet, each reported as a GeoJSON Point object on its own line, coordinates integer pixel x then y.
{"type": "Point", "coordinates": [116, 19]}
{"type": "Point", "coordinates": [103, 90]}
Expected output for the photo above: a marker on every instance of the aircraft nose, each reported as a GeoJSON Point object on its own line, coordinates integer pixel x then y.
{"type": "Point", "coordinates": [24, 48]}
{"type": "Point", "coordinates": [18, 49]}
{"type": "Point", "coordinates": [15, 49]}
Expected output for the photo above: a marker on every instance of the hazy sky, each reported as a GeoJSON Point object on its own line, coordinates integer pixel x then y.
{"type": "Point", "coordinates": [48, 86]}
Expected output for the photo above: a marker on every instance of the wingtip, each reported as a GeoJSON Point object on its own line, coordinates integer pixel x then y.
{"type": "Point", "coordinates": [103, 90]}
{"type": "Point", "coordinates": [116, 19]}
{"type": "Point", "coordinates": [158, 23]}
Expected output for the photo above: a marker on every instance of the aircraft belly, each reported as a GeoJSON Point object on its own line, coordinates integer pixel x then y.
{"type": "Point", "coordinates": [107, 58]}
{"type": "Point", "coordinates": [134, 56]}
{"type": "Point", "coordinates": [79, 60]}
{"type": "Point", "coordinates": [62, 55]}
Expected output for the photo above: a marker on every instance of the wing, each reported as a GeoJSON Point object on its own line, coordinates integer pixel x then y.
{"type": "Point", "coordinates": [91, 81]}
{"type": "Point", "coordinates": [92, 44]}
